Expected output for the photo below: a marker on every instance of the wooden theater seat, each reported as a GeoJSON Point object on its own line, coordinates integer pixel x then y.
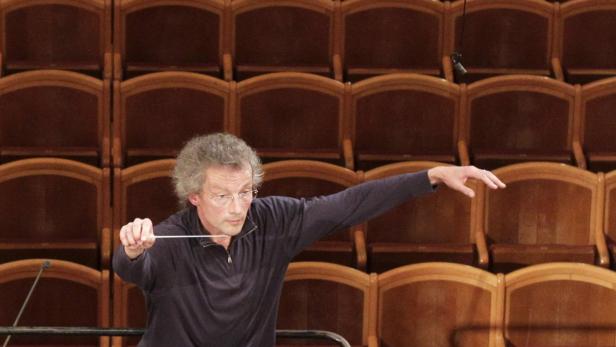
{"type": "Point", "coordinates": [381, 37]}
{"type": "Point", "coordinates": [501, 37]}
{"type": "Point", "coordinates": [307, 179]}
{"type": "Point", "coordinates": [292, 115]}
{"type": "Point", "coordinates": [510, 119]}
{"type": "Point", "coordinates": [331, 297]}
{"type": "Point", "coordinates": [548, 212]}
{"type": "Point", "coordinates": [56, 34]}
{"type": "Point", "coordinates": [585, 40]}
{"type": "Point", "coordinates": [403, 117]}
{"type": "Point", "coordinates": [165, 35]}
{"type": "Point", "coordinates": [283, 35]}
{"type": "Point", "coordinates": [560, 304]}
{"type": "Point", "coordinates": [436, 227]}
{"type": "Point", "coordinates": [55, 208]}
{"type": "Point", "coordinates": [597, 127]}
{"type": "Point", "coordinates": [609, 221]}
{"type": "Point", "coordinates": [156, 114]}
{"type": "Point", "coordinates": [129, 311]}
{"type": "Point", "coordinates": [143, 191]}
{"type": "Point", "coordinates": [439, 305]}
{"type": "Point", "coordinates": [54, 113]}
{"type": "Point", "coordinates": [67, 295]}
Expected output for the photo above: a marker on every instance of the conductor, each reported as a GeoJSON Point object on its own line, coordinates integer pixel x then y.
{"type": "Point", "coordinates": [219, 284]}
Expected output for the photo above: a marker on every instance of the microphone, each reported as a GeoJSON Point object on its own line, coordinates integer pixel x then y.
{"type": "Point", "coordinates": [456, 57]}
{"type": "Point", "coordinates": [46, 264]}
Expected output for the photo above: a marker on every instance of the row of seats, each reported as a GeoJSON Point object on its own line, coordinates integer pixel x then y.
{"type": "Point", "coordinates": [429, 304]}
{"type": "Point", "coordinates": [345, 40]}
{"type": "Point", "coordinates": [549, 212]}
{"type": "Point", "coordinates": [398, 117]}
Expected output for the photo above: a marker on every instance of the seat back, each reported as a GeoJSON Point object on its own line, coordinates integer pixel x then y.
{"type": "Point", "coordinates": [323, 296]}
{"type": "Point", "coordinates": [391, 36]}
{"type": "Point", "coordinates": [402, 117]}
{"type": "Point", "coordinates": [291, 116]}
{"type": "Point", "coordinates": [281, 35]}
{"type": "Point", "coordinates": [165, 35]}
{"type": "Point", "coordinates": [501, 36]}
{"type": "Point", "coordinates": [439, 304]}
{"type": "Point", "coordinates": [585, 40]}
{"type": "Point", "coordinates": [67, 294]}
{"type": "Point", "coordinates": [597, 126]}
{"type": "Point", "coordinates": [54, 113]}
{"type": "Point", "coordinates": [560, 304]}
{"type": "Point", "coordinates": [143, 191]}
{"type": "Point", "coordinates": [157, 113]}
{"type": "Point", "coordinates": [55, 208]}
{"type": "Point", "coordinates": [545, 206]}
{"type": "Point", "coordinates": [52, 34]}
{"type": "Point", "coordinates": [509, 119]}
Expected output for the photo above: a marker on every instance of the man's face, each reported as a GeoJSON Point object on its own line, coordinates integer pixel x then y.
{"type": "Point", "coordinates": [223, 203]}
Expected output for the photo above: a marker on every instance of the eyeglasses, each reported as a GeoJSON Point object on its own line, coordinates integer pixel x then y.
{"type": "Point", "coordinates": [223, 200]}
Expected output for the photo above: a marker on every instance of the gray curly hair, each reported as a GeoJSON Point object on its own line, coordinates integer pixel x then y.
{"type": "Point", "coordinates": [204, 151]}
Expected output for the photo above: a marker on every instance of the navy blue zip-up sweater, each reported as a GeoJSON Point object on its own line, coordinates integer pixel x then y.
{"type": "Point", "coordinates": [199, 294]}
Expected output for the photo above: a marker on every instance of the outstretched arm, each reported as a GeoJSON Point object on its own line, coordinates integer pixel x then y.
{"type": "Point", "coordinates": [455, 178]}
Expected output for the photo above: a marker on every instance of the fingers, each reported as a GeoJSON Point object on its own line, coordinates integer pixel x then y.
{"type": "Point", "coordinates": [137, 234]}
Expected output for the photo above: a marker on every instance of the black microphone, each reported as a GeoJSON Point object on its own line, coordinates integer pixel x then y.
{"type": "Point", "coordinates": [456, 57]}
{"type": "Point", "coordinates": [46, 264]}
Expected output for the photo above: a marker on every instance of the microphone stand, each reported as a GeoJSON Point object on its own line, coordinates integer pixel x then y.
{"type": "Point", "coordinates": [46, 264]}
{"type": "Point", "coordinates": [456, 57]}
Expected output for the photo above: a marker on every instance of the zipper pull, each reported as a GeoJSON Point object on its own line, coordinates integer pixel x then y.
{"type": "Point", "coordinates": [229, 261]}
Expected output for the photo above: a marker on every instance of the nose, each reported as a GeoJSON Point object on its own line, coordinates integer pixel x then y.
{"type": "Point", "coordinates": [235, 206]}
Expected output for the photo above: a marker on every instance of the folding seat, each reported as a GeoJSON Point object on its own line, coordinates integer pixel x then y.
{"type": "Point", "coordinates": [129, 311]}
{"type": "Point", "coordinates": [291, 115]}
{"type": "Point", "coordinates": [585, 40]}
{"type": "Point", "coordinates": [67, 295]}
{"type": "Point", "coordinates": [402, 117]}
{"type": "Point", "coordinates": [391, 36]}
{"type": "Point", "coordinates": [331, 297]}
{"type": "Point", "coordinates": [439, 305]}
{"type": "Point", "coordinates": [549, 212]}
{"type": "Point", "coordinates": [560, 304]}
{"type": "Point", "coordinates": [55, 208]}
{"type": "Point", "coordinates": [307, 179]}
{"type": "Point", "coordinates": [56, 34]}
{"type": "Point", "coordinates": [501, 37]}
{"type": "Point", "coordinates": [597, 124]}
{"type": "Point", "coordinates": [155, 114]}
{"type": "Point", "coordinates": [609, 222]}
{"type": "Point", "coordinates": [509, 119]}
{"type": "Point", "coordinates": [283, 35]}
{"type": "Point", "coordinates": [54, 113]}
{"type": "Point", "coordinates": [143, 191]}
{"type": "Point", "coordinates": [436, 227]}
{"type": "Point", "coordinates": [165, 35]}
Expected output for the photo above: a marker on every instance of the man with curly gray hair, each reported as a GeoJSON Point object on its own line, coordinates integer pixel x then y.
{"type": "Point", "coordinates": [215, 276]}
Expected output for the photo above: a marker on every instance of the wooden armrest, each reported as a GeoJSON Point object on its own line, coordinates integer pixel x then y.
{"type": "Point", "coordinates": [359, 244]}
{"type": "Point", "coordinates": [105, 248]}
{"type": "Point", "coordinates": [448, 69]}
{"type": "Point", "coordinates": [227, 67]}
{"type": "Point", "coordinates": [347, 153]}
{"type": "Point", "coordinates": [463, 153]}
{"type": "Point", "coordinates": [557, 68]}
{"type": "Point", "coordinates": [602, 252]}
{"type": "Point", "coordinates": [117, 67]}
{"type": "Point", "coordinates": [373, 341]}
{"type": "Point", "coordinates": [482, 250]}
{"type": "Point", "coordinates": [578, 154]}
{"type": "Point", "coordinates": [337, 65]}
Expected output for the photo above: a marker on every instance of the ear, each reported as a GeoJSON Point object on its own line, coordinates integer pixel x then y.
{"type": "Point", "coordinates": [194, 199]}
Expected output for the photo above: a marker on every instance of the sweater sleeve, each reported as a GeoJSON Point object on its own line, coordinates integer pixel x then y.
{"type": "Point", "coordinates": [320, 216]}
